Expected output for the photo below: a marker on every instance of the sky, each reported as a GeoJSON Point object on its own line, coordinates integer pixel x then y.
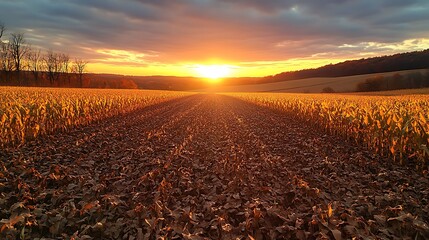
{"type": "Point", "coordinates": [247, 37]}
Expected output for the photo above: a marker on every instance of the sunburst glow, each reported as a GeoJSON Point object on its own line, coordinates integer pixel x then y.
{"type": "Point", "coordinates": [213, 72]}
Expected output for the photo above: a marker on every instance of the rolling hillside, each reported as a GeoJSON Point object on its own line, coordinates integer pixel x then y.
{"type": "Point", "coordinates": [309, 85]}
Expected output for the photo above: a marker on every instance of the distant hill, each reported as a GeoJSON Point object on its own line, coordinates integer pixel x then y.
{"type": "Point", "coordinates": [166, 82]}
{"type": "Point", "coordinates": [383, 64]}
{"type": "Point", "coordinates": [153, 82]}
{"type": "Point", "coordinates": [335, 84]}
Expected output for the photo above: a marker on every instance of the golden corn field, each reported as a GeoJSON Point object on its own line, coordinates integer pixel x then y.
{"type": "Point", "coordinates": [173, 165]}
{"type": "Point", "coordinates": [26, 113]}
{"type": "Point", "coordinates": [396, 125]}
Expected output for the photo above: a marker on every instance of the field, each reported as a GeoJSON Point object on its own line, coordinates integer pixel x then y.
{"type": "Point", "coordinates": [26, 113]}
{"type": "Point", "coordinates": [172, 165]}
{"type": "Point", "coordinates": [397, 126]}
{"type": "Point", "coordinates": [310, 85]}
{"type": "Point", "coordinates": [402, 92]}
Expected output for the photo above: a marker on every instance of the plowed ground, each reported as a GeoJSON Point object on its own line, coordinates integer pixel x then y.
{"type": "Point", "coordinates": [206, 166]}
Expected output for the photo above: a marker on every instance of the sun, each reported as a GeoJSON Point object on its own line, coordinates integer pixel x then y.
{"type": "Point", "coordinates": [213, 72]}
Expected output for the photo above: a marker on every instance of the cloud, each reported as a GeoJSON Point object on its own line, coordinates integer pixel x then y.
{"type": "Point", "coordinates": [122, 57]}
{"type": "Point", "coordinates": [192, 31]}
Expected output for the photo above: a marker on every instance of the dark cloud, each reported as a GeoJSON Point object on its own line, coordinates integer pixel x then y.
{"type": "Point", "coordinates": [196, 30]}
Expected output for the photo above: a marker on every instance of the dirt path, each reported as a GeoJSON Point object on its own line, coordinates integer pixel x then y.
{"type": "Point", "coordinates": [207, 166]}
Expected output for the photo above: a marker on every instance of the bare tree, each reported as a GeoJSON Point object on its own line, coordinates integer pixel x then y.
{"type": "Point", "coordinates": [2, 30]}
{"type": "Point", "coordinates": [79, 68]}
{"type": "Point", "coordinates": [35, 63]}
{"type": "Point", "coordinates": [3, 52]}
{"type": "Point", "coordinates": [64, 61]}
{"type": "Point", "coordinates": [52, 65]}
{"type": "Point", "coordinates": [6, 60]}
{"type": "Point", "coordinates": [18, 49]}
{"type": "Point", "coordinates": [3, 48]}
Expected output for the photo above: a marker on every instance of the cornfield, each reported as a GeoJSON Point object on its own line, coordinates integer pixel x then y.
{"type": "Point", "coordinates": [27, 113]}
{"type": "Point", "coordinates": [397, 126]}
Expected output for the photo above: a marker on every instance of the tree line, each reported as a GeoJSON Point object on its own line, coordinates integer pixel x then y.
{"type": "Point", "coordinates": [392, 63]}
{"type": "Point", "coordinates": [21, 64]}
{"type": "Point", "coordinates": [394, 82]}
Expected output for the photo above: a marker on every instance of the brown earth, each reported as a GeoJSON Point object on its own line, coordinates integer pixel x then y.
{"type": "Point", "coordinates": [206, 167]}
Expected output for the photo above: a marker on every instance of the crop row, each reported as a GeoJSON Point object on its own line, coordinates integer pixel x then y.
{"type": "Point", "coordinates": [27, 113]}
{"type": "Point", "coordinates": [397, 126]}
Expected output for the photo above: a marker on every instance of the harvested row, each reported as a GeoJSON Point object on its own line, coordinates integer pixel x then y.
{"type": "Point", "coordinates": [26, 113]}
{"type": "Point", "coordinates": [396, 126]}
{"type": "Point", "coordinates": [96, 169]}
